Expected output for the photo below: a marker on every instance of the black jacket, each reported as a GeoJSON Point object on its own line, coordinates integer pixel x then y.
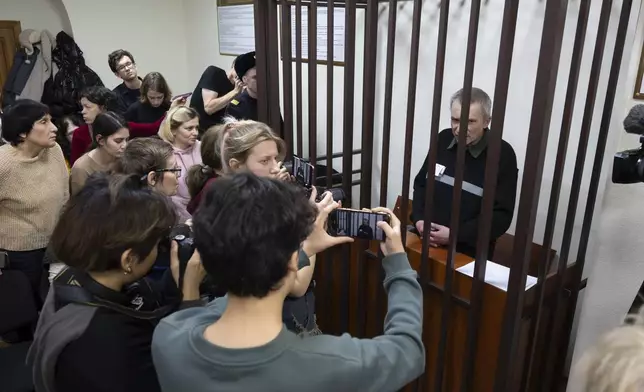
{"type": "Point", "coordinates": [97, 339]}
{"type": "Point", "coordinates": [470, 208]}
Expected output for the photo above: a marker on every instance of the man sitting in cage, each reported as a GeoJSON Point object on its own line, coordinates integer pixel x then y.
{"type": "Point", "coordinates": [478, 134]}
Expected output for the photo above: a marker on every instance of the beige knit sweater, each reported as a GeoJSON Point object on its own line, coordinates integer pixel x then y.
{"type": "Point", "coordinates": [32, 194]}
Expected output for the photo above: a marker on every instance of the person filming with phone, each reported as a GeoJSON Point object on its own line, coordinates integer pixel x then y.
{"type": "Point", "coordinates": [474, 173]}
{"type": "Point", "coordinates": [239, 342]}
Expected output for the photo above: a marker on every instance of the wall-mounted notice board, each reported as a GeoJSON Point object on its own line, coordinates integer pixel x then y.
{"type": "Point", "coordinates": [236, 23]}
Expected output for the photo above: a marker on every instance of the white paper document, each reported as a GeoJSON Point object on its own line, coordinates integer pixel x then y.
{"type": "Point", "coordinates": [496, 275]}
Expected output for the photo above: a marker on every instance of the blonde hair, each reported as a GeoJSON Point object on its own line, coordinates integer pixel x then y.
{"type": "Point", "coordinates": [616, 362]}
{"type": "Point", "coordinates": [238, 138]}
{"type": "Point", "coordinates": [174, 119]}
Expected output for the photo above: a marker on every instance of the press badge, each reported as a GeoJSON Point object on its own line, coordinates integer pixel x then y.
{"type": "Point", "coordinates": [439, 171]}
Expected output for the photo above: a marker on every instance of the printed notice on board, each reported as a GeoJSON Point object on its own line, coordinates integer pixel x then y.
{"type": "Point", "coordinates": [236, 29]}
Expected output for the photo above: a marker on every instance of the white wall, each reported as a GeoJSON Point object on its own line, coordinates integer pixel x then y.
{"type": "Point", "coordinates": [615, 268]}
{"type": "Point", "coordinates": [50, 15]}
{"type": "Point", "coordinates": [152, 30]}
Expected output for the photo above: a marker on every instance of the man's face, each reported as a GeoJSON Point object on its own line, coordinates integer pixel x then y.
{"type": "Point", "coordinates": [126, 69]}
{"type": "Point", "coordinates": [476, 123]}
{"type": "Point", "coordinates": [250, 80]}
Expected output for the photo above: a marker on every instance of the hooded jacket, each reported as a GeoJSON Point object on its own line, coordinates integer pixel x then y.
{"type": "Point", "coordinates": [185, 160]}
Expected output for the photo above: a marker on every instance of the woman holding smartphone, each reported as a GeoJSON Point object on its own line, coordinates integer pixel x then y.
{"type": "Point", "coordinates": [252, 146]}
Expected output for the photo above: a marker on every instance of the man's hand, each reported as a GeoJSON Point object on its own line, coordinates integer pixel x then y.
{"type": "Point", "coordinates": [439, 235]}
{"type": "Point", "coordinates": [239, 87]}
{"type": "Point", "coordinates": [193, 275]}
{"type": "Point", "coordinates": [420, 226]}
{"type": "Point", "coordinates": [393, 242]}
{"type": "Point", "coordinates": [319, 240]}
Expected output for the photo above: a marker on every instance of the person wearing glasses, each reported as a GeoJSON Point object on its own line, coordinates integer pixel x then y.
{"type": "Point", "coordinates": [122, 63]}
{"type": "Point", "coordinates": [181, 129]}
{"type": "Point", "coordinates": [95, 330]}
{"type": "Point", "coordinates": [153, 161]}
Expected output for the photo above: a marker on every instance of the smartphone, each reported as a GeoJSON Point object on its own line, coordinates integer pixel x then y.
{"type": "Point", "coordinates": [303, 172]}
{"type": "Point", "coordinates": [357, 224]}
{"type": "Point", "coordinates": [186, 95]}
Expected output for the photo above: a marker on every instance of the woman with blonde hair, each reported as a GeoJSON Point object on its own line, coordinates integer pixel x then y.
{"type": "Point", "coordinates": [181, 130]}
{"type": "Point", "coordinates": [251, 146]}
{"type": "Point", "coordinates": [232, 147]}
{"type": "Point", "coordinates": [616, 362]}
{"type": "Point", "coordinates": [154, 101]}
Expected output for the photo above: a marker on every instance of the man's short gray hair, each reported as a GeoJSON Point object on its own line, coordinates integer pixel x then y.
{"type": "Point", "coordinates": [478, 96]}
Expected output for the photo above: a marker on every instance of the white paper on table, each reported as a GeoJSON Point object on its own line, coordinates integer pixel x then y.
{"type": "Point", "coordinates": [496, 274]}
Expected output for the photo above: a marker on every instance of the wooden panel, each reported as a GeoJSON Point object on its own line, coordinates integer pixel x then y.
{"type": "Point", "coordinates": [9, 32]}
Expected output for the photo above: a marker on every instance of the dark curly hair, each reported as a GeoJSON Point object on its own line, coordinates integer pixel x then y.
{"type": "Point", "coordinates": [101, 96]}
{"type": "Point", "coordinates": [247, 229]}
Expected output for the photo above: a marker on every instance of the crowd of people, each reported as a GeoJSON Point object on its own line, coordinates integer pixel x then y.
{"type": "Point", "coordinates": [90, 208]}
{"type": "Point", "coordinates": [95, 201]}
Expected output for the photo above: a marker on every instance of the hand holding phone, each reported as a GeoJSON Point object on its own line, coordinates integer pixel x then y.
{"type": "Point", "coordinates": [358, 224]}
{"type": "Point", "coordinates": [181, 96]}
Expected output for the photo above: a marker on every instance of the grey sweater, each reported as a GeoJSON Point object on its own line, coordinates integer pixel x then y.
{"type": "Point", "coordinates": [186, 361]}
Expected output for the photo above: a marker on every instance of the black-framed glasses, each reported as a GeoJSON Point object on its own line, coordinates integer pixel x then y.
{"type": "Point", "coordinates": [175, 170]}
{"type": "Point", "coordinates": [125, 66]}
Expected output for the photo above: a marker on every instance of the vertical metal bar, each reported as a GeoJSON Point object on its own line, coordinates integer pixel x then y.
{"type": "Point", "coordinates": [368, 102]}
{"type": "Point", "coordinates": [434, 129]}
{"type": "Point", "coordinates": [389, 86]}
{"type": "Point", "coordinates": [287, 75]}
{"type": "Point", "coordinates": [411, 110]}
{"type": "Point", "coordinates": [456, 195]}
{"type": "Point", "coordinates": [298, 76]}
{"type": "Point", "coordinates": [575, 189]}
{"type": "Point", "coordinates": [273, 59]}
{"type": "Point", "coordinates": [261, 10]}
{"type": "Point", "coordinates": [349, 90]}
{"type": "Point", "coordinates": [329, 91]}
{"type": "Point", "coordinates": [504, 66]}
{"type": "Point", "coordinates": [530, 375]}
{"type": "Point", "coordinates": [549, 54]}
{"type": "Point", "coordinates": [313, 82]}
{"type": "Point", "coordinates": [609, 101]}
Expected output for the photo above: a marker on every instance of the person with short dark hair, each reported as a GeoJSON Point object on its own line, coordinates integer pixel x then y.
{"type": "Point", "coordinates": [122, 64]}
{"type": "Point", "coordinates": [110, 138]}
{"type": "Point", "coordinates": [96, 327]}
{"type": "Point", "coordinates": [478, 131]}
{"type": "Point", "coordinates": [97, 100]}
{"type": "Point", "coordinates": [154, 102]}
{"type": "Point", "coordinates": [213, 93]}
{"type": "Point", "coordinates": [239, 343]}
{"type": "Point", "coordinates": [34, 186]}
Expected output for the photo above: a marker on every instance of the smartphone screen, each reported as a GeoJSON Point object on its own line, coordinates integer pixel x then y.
{"type": "Point", "coordinates": [357, 224]}
{"type": "Point", "coordinates": [303, 172]}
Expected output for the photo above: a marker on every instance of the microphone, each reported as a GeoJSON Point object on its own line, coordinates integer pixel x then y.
{"type": "Point", "coordinates": [634, 121]}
